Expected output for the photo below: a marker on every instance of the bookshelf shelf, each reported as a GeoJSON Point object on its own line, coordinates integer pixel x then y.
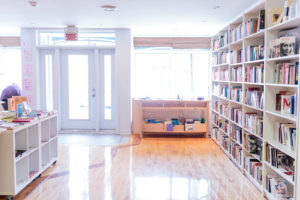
{"type": "Point", "coordinates": [236, 163]}
{"type": "Point", "coordinates": [266, 118]}
{"type": "Point", "coordinates": [256, 35]}
{"type": "Point", "coordinates": [236, 102]}
{"type": "Point", "coordinates": [239, 125]}
{"type": "Point", "coordinates": [295, 57]}
{"type": "Point", "coordinates": [281, 85]}
{"type": "Point", "coordinates": [285, 25]}
{"type": "Point", "coordinates": [257, 185]}
{"type": "Point", "coordinates": [237, 64]}
{"type": "Point", "coordinates": [254, 62]}
{"type": "Point", "coordinates": [286, 177]}
{"type": "Point", "coordinates": [254, 134]}
{"type": "Point", "coordinates": [282, 148]}
{"type": "Point", "coordinates": [221, 49]}
{"type": "Point", "coordinates": [238, 42]}
{"type": "Point", "coordinates": [285, 116]}
{"type": "Point", "coordinates": [252, 107]}
{"type": "Point", "coordinates": [235, 82]}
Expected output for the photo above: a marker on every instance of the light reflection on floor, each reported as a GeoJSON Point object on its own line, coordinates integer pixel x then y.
{"type": "Point", "coordinates": [170, 188]}
{"type": "Point", "coordinates": [156, 169]}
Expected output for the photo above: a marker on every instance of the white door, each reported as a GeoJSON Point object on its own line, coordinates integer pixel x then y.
{"type": "Point", "coordinates": [78, 91]}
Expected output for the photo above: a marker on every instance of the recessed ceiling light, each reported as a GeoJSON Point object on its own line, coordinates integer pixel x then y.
{"type": "Point", "coordinates": [33, 24]}
{"type": "Point", "coordinates": [109, 7]}
{"type": "Point", "coordinates": [216, 7]}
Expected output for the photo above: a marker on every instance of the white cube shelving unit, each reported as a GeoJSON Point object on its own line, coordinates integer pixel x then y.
{"type": "Point", "coordinates": [39, 141]}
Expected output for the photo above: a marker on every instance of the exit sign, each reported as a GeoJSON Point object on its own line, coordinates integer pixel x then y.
{"type": "Point", "coordinates": [71, 33]}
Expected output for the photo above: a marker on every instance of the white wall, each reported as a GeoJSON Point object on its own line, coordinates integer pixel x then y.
{"type": "Point", "coordinates": [123, 66]}
{"type": "Point", "coordinates": [29, 67]}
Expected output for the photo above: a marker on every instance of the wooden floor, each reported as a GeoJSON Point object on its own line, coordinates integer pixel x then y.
{"type": "Point", "coordinates": [151, 168]}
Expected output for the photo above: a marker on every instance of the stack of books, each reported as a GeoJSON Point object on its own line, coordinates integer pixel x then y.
{"type": "Point", "coordinates": [254, 74]}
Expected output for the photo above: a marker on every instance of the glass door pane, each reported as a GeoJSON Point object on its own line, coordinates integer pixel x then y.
{"type": "Point", "coordinates": [78, 86]}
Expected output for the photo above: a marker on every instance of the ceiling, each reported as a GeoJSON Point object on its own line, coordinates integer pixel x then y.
{"type": "Point", "coordinates": [144, 17]}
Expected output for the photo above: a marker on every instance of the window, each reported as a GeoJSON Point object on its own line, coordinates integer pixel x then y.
{"type": "Point", "coordinates": [10, 67]}
{"type": "Point", "coordinates": [49, 82]}
{"type": "Point", "coordinates": [169, 73]}
{"type": "Point", "coordinates": [84, 38]}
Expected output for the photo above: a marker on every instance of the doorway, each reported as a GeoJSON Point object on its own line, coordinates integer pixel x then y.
{"type": "Point", "coordinates": [85, 87]}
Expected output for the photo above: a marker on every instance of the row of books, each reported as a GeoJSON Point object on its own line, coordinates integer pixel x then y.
{"type": "Point", "coordinates": [221, 58]}
{"type": "Point", "coordinates": [253, 167]}
{"type": "Point", "coordinates": [236, 134]}
{"type": "Point", "coordinates": [254, 145]}
{"type": "Point", "coordinates": [224, 110]}
{"type": "Point", "coordinates": [286, 73]}
{"type": "Point", "coordinates": [224, 75]}
{"type": "Point", "coordinates": [215, 75]}
{"type": "Point", "coordinates": [254, 97]}
{"type": "Point", "coordinates": [277, 186]}
{"type": "Point", "coordinates": [216, 105]}
{"type": "Point", "coordinates": [285, 133]}
{"type": "Point", "coordinates": [224, 141]}
{"type": "Point", "coordinates": [236, 115]}
{"type": "Point", "coordinates": [251, 26]}
{"type": "Point", "coordinates": [236, 93]}
{"type": "Point", "coordinates": [286, 102]}
{"type": "Point", "coordinates": [225, 91]}
{"type": "Point", "coordinates": [220, 41]}
{"type": "Point", "coordinates": [236, 33]}
{"type": "Point", "coordinates": [237, 74]}
{"type": "Point", "coordinates": [254, 25]}
{"type": "Point", "coordinates": [254, 123]}
{"type": "Point", "coordinates": [254, 74]}
{"type": "Point", "coordinates": [236, 56]}
{"type": "Point", "coordinates": [280, 160]}
{"type": "Point", "coordinates": [215, 118]}
{"type": "Point", "coordinates": [224, 125]}
{"type": "Point", "coordinates": [215, 89]}
{"type": "Point", "coordinates": [236, 152]}
{"type": "Point", "coordinates": [215, 133]}
{"type": "Point", "coordinates": [254, 52]}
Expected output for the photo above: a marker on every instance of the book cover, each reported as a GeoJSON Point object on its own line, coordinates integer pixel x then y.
{"type": "Point", "coordinates": [286, 104]}
{"type": "Point", "coordinates": [287, 46]}
{"type": "Point", "coordinates": [261, 20]}
{"type": "Point", "coordinates": [294, 32]}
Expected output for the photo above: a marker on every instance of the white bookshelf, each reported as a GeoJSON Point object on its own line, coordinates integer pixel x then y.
{"type": "Point", "coordinates": [39, 141]}
{"type": "Point", "coordinates": [268, 112]}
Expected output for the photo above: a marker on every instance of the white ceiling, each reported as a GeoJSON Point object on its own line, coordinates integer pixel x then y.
{"type": "Point", "coordinates": [144, 17]}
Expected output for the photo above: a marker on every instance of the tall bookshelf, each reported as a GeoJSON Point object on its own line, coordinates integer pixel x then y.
{"type": "Point", "coordinates": [232, 82]}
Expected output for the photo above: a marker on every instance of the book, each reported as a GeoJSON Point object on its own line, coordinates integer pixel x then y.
{"type": "Point", "coordinates": [287, 46]}
{"type": "Point", "coordinates": [261, 20]}
{"type": "Point", "coordinates": [293, 32]}
{"type": "Point", "coordinates": [285, 11]}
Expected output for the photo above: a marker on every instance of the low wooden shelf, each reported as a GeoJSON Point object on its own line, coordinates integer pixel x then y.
{"type": "Point", "coordinates": [167, 109]}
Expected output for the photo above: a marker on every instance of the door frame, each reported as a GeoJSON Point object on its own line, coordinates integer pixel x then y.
{"type": "Point", "coordinates": [57, 104]}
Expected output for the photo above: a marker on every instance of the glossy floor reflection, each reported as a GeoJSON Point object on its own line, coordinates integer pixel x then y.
{"type": "Point", "coordinates": [153, 168]}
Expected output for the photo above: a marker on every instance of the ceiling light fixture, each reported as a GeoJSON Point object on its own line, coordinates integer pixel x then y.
{"type": "Point", "coordinates": [109, 7]}
{"type": "Point", "coordinates": [33, 3]}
